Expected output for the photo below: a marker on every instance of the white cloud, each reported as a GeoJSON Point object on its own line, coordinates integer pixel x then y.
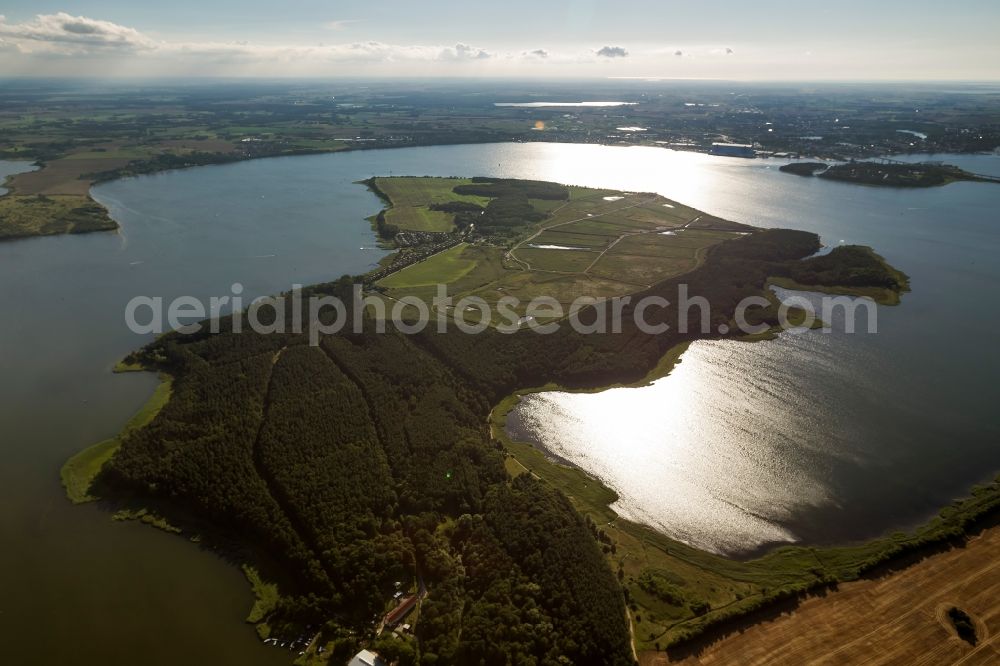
{"type": "Point", "coordinates": [341, 24]}
{"type": "Point", "coordinates": [61, 44]}
{"type": "Point", "coordinates": [464, 52]}
{"type": "Point", "coordinates": [79, 35]}
{"type": "Point", "coordinates": [63, 32]}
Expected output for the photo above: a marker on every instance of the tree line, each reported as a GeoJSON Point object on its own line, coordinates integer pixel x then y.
{"type": "Point", "coordinates": [367, 460]}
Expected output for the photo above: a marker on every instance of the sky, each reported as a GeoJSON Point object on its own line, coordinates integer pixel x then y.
{"type": "Point", "coordinates": [687, 39]}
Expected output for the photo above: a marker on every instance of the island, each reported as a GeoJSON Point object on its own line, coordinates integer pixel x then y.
{"type": "Point", "coordinates": [364, 480]}
{"type": "Point", "coordinates": [887, 173]}
{"type": "Point", "coordinates": [803, 168]}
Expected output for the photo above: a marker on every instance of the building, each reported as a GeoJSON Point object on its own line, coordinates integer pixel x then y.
{"type": "Point", "coordinates": [733, 149]}
{"type": "Point", "coordinates": [366, 658]}
{"type": "Point", "coordinates": [396, 615]}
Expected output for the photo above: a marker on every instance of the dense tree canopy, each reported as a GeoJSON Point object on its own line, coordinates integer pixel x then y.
{"type": "Point", "coordinates": [367, 460]}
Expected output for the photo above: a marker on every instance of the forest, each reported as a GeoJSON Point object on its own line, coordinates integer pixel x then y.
{"type": "Point", "coordinates": [367, 460]}
{"type": "Point", "coordinates": [509, 206]}
{"type": "Point", "coordinates": [846, 265]}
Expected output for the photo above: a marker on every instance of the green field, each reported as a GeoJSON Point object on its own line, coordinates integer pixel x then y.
{"type": "Point", "coordinates": [572, 238]}
{"type": "Point", "coordinates": [417, 218]}
{"type": "Point", "coordinates": [442, 268]}
{"type": "Point", "coordinates": [630, 231]}
{"type": "Point", "coordinates": [557, 261]}
{"type": "Point", "coordinates": [411, 196]}
{"type": "Point", "coordinates": [641, 269]}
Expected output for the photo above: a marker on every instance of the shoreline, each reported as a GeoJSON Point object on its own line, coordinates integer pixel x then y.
{"type": "Point", "coordinates": [842, 562]}
{"type": "Point", "coordinates": [80, 471]}
{"type": "Point", "coordinates": [838, 562]}
{"type": "Point", "coordinates": [674, 355]}
{"type": "Point", "coordinates": [101, 178]}
{"type": "Point", "coordinates": [785, 568]}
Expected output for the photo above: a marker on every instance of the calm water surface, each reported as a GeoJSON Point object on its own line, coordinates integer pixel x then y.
{"type": "Point", "coordinates": [11, 167]}
{"type": "Point", "coordinates": [743, 444]}
{"type": "Point", "coordinates": [813, 438]}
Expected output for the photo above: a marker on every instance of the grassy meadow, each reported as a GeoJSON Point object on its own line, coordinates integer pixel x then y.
{"type": "Point", "coordinates": [411, 197]}
{"type": "Point", "coordinates": [42, 215]}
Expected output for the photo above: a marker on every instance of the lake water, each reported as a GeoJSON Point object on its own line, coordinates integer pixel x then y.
{"type": "Point", "coordinates": [883, 427]}
{"type": "Point", "coordinates": [78, 587]}
{"type": "Point", "coordinates": [11, 167]}
{"type": "Point", "coordinates": [814, 438]}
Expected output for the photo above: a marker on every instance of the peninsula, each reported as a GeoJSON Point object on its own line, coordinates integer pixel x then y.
{"type": "Point", "coordinates": [367, 471]}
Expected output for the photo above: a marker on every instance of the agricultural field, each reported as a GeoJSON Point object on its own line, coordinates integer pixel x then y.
{"type": "Point", "coordinates": [900, 618]}
{"type": "Point", "coordinates": [633, 239]}
{"type": "Point", "coordinates": [557, 260]}
{"type": "Point", "coordinates": [70, 175]}
{"type": "Point", "coordinates": [442, 268]}
{"type": "Point", "coordinates": [591, 242]}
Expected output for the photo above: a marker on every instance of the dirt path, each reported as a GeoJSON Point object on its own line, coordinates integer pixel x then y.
{"type": "Point", "coordinates": [511, 255]}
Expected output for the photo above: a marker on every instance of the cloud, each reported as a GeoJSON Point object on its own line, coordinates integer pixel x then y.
{"type": "Point", "coordinates": [612, 52]}
{"type": "Point", "coordinates": [63, 32]}
{"type": "Point", "coordinates": [62, 35]}
{"type": "Point", "coordinates": [339, 24]}
{"type": "Point", "coordinates": [370, 51]}
{"type": "Point", "coordinates": [53, 44]}
{"type": "Point", "coordinates": [464, 52]}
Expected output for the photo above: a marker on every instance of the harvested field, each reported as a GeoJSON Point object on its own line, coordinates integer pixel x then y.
{"type": "Point", "coordinates": [65, 176]}
{"type": "Point", "coordinates": [897, 619]}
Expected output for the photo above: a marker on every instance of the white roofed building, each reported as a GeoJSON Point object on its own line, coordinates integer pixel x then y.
{"type": "Point", "coordinates": [366, 658]}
